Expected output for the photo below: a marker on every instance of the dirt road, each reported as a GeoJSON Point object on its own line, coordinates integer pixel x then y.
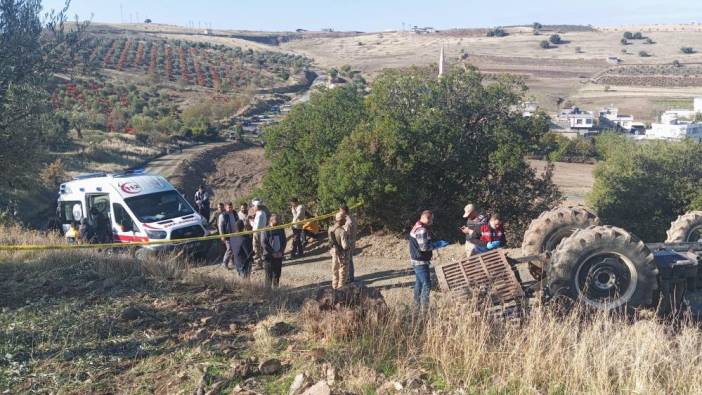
{"type": "Point", "coordinates": [170, 165]}
{"type": "Point", "coordinates": [575, 180]}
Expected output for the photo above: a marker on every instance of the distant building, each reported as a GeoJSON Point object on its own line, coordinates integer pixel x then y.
{"type": "Point", "coordinates": [611, 119]}
{"type": "Point", "coordinates": [577, 119]}
{"type": "Point", "coordinates": [423, 30]}
{"type": "Point", "coordinates": [529, 108]}
{"type": "Point", "coordinates": [678, 124]}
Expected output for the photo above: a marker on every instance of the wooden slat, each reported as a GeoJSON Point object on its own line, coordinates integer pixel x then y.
{"type": "Point", "coordinates": [487, 274]}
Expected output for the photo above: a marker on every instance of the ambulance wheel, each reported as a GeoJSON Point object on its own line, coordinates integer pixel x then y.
{"type": "Point", "coordinates": [603, 267]}
{"type": "Point", "coordinates": [687, 228]}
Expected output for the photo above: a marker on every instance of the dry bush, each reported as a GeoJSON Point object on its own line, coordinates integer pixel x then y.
{"type": "Point", "coordinates": [54, 174]}
{"type": "Point", "coordinates": [544, 353]}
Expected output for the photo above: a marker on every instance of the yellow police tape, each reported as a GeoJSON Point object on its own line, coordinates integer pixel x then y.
{"type": "Point", "coordinates": [34, 247]}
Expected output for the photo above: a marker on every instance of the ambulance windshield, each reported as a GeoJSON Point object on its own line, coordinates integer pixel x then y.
{"type": "Point", "coordinates": [158, 206]}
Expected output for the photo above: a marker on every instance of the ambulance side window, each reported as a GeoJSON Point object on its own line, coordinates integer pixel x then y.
{"type": "Point", "coordinates": [66, 210]}
{"type": "Point", "coordinates": [122, 217]}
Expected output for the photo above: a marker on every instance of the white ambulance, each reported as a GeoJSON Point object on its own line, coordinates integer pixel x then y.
{"type": "Point", "coordinates": [137, 207]}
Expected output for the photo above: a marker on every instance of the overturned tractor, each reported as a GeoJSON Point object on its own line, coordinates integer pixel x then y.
{"type": "Point", "coordinates": [570, 255]}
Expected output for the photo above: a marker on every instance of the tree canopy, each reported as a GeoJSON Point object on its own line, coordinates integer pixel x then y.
{"type": "Point", "coordinates": [642, 187]}
{"type": "Point", "coordinates": [33, 47]}
{"type": "Point", "coordinates": [414, 143]}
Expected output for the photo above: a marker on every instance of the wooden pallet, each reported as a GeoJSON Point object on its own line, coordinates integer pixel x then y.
{"type": "Point", "coordinates": [487, 275]}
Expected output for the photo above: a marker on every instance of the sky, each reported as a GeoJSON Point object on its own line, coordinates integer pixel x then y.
{"type": "Point", "coordinates": [380, 15]}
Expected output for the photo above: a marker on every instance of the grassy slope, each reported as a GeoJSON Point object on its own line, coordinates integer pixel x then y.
{"type": "Point", "coordinates": [83, 322]}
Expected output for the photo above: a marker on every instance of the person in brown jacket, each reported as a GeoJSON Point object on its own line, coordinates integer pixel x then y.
{"type": "Point", "coordinates": [340, 251]}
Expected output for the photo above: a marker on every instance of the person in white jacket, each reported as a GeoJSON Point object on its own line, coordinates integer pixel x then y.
{"type": "Point", "coordinates": [259, 222]}
{"type": "Point", "coordinates": [298, 214]}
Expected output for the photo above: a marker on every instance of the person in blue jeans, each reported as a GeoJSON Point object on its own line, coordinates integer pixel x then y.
{"type": "Point", "coordinates": [420, 247]}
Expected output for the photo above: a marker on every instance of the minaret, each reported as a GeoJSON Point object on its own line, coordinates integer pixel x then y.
{"type": "Point", "coordinates": [441, 62]}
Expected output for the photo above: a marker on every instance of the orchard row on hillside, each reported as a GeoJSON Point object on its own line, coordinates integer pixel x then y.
{"type": "Point", "coordinates": [189, 63]}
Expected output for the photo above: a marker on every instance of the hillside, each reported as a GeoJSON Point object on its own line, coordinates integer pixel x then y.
{"type": "Point", "coordinates": [576, 69]}
{"type": "Point", "coordinates": [130, 82]}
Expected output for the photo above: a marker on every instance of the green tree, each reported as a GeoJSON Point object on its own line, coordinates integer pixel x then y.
{"type": "Point", "coordinates": [555, 39]}
{"type": "Point", "coordinates": [305, 139]}
{"type": "Point", "coordinates": [33, 47]}
{"type": "Point", "coordinates": [545, 44]}
{"type": "Point", "coordinates": [687, 50]}
{"type": "Point", "coordinates": [428, 144]}
{"type": "Point", "coordinates": [643, 187]}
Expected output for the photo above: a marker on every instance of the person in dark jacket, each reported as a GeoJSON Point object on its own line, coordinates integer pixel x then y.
{"type": "Point", "coordinates": [273, 243]}
{"type": "Point", "coordinates": [246, 253]}
{"type": "Point", "coordinates": [420, 247]}
{"type": "Point", "coordinates": [86, 232]}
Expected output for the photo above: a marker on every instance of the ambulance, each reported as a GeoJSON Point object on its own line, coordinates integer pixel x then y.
{"type": "Point", "coordinates": [139, 207]}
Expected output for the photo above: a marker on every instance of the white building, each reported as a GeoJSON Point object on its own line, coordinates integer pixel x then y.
{"type": "Point", "coordinates": [576, 119]}
{"type": "Point", "coordinates": [529, 108]}
{"type": "Point", "coordinates": [678, 124]}
{"type": "Point", "coordinates": [610, 118]}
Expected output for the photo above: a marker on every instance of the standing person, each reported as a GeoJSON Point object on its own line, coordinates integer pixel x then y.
{"type": "Point", "coordinates": [474, 220]}
{"type": "Point", "coordinates": [87, 235]}
{"type": "Point", "coordinates": [202, 202]}
{"type": "Point", "coordinates": [340, 247]}
{"type": "Point", "coordinates": [226, 224]}
{"type": "Point", "coordinates": [259, 222]}
{"type": "Point", "coordinates": [103, 228]}
{"type": "Point", "coordinates": [420, 248]}
{"type": "Point", "coordinates": [243, 211]}
{"type": "Point", "coordinates": [298, 214]}
{"type": "Point", "coordinates": [246, 252]}
{"type": "Point", "coordinates": [492, 234]}
{"type": "Point", "coordinates": [351, 227]}
{"type": "Point", "coordinates": [273, 242]}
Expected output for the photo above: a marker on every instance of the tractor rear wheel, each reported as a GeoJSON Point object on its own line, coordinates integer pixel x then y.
{"type": "Point", "coordinates": [604, 267]}
{"type": "Point", "coordinates": [687, 228]}
{"type": "Point", "coordinates": [546, 232]}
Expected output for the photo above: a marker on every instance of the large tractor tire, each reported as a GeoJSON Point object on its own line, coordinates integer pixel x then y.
{"type": "Point", "coordinates": [546, 232]}
{"type": "Point", "coordinates": [604, 267]}
{"type": "Point", "coordinates": [687, 228]}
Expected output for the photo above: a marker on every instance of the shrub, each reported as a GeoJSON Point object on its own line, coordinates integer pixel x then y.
{"type": "Point", "coordinates": [649, 41]}
{"type": "Point", "coordinates": [644, 54]}
{"type": "Point", "coordinates": [659, 179]}
{"type": "Point", "coordinates": [54, 174]}
{"type": "Point", "coordinates": [676, 63]}
{"type": "Point", "coordinates": [624, 41]}
{"type": "Point", "coordinates": [628, 35]}
{"type": "Point", "coordinates": [496, 32]}
{"type": "Point", "coordinates": [578, 50]}
{"type": "Point", "coordinates": [637, 36]}
{"type": "Point", "coordinates": [308, 136]}
{"type": "Point", "coordinates": [687, 50]}
{"type": "Point", "coordinates": [555, 39]}
{"type": "Point", "coordinates": [545, 44]}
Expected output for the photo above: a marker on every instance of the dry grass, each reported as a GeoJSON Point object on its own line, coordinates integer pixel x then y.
{"type": "Point", "coordinates": [459, 348]}
{"type": "Point", "coordinates": [62, 329]}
